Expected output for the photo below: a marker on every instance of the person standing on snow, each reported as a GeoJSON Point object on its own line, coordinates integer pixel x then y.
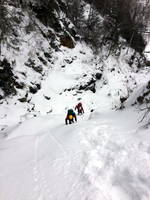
{"type": "Point", "coordinates": [71, 116]}
{"type": "Point", "coordinates": [79, 108]}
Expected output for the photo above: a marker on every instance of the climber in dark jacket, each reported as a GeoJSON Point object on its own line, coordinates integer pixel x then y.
{"type": "Point", "coordinates": [79, 108]}
{"type": "Point", "coordinates": [71, 116]}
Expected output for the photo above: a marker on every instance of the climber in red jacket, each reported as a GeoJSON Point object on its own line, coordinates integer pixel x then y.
{"type": "Point", "coordinates": [79, 108]}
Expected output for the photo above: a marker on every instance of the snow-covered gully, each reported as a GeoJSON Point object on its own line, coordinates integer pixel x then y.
{"type": "Point", "coordinates": [55, 54]}
{"type": "Point", "coordinates": [103, 156]}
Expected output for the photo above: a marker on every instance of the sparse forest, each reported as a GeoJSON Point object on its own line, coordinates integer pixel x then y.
{"type": "Point", "coordinates": [120, 18]}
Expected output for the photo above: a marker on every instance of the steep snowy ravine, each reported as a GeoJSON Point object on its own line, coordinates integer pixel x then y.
{"type": "Point", "coordinates": [106, 154]}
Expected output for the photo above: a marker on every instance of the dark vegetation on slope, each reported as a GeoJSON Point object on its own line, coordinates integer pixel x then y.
{"type": "Point", "coordinates": [8, 81]}
{"type": "Point", "coordinates": [120, 18]}
{"type": "Point", "coordinates": [125, 18]}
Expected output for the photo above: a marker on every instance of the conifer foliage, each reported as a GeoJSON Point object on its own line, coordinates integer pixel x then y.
{"type": "Point", "coordinates": [125, 18]}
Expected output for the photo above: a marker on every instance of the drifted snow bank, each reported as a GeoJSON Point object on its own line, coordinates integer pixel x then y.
{"type": "Point", "coordinates": [117, 156]}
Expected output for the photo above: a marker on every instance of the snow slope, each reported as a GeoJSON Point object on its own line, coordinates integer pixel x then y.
{"type": "Point", "coordinates": [106, 155]}
{"type": "Point", "coordinates": [118, 156]}
{"type": "Point", "coordinates": [46, 163]}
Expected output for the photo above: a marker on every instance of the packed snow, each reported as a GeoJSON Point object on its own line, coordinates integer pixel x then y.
{"type": "Point", "coordinates": [105, 155]}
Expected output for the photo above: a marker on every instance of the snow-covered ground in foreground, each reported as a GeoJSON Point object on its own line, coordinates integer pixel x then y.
{"type": "Point", "coordinates": [106, 155]}
{"type": "Point", "coordinates": [118, 156]}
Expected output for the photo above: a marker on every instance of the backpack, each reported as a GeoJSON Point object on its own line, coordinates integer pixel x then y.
{"type": "Point", "coordinates": [70, 112]}
{"type": "Point", "coordinates": [70, 117]}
